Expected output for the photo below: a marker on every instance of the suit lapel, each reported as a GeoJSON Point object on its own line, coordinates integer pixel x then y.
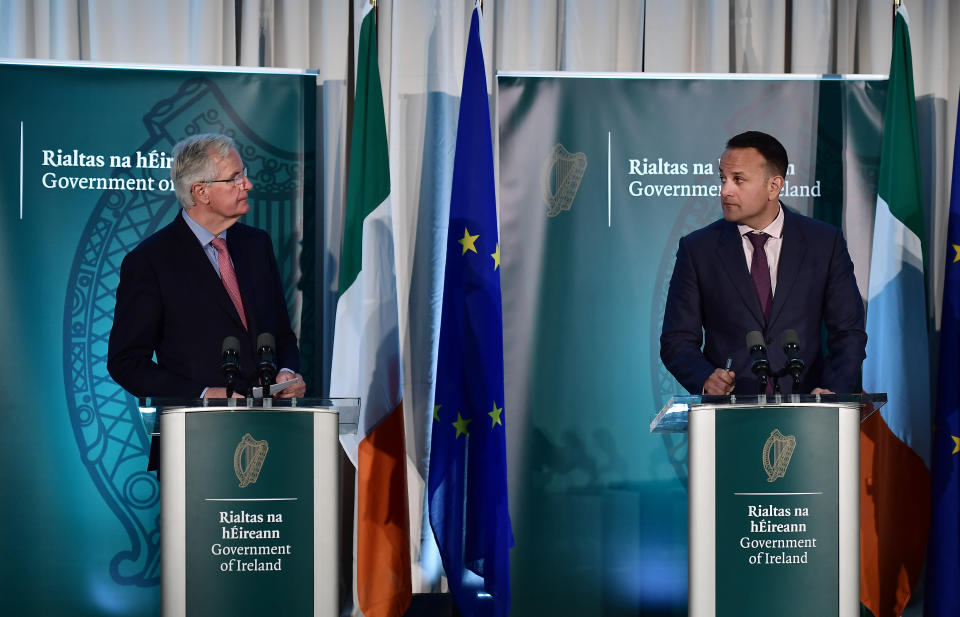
{"type": "Point", "coordinates": [730, 252]}
{"type": "Point", "coordinates": [200, 268]}
{"type": "Point", "coordinates": [792, 251]}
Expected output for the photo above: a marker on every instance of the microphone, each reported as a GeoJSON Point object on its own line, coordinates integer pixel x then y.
{"type": "Point", "coordinates": [266, 361]}
{"type": "Point", "coordinates": [230, 353]}
{"type": "Point", "coordinates": [791, 347]}
{"type": "Point", "coordinates": [760, 365]}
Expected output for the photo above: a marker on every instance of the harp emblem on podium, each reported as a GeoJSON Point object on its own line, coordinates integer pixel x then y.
{"type": "Point", "coordinates": [777, 452]}
{"type": "Point", "coordinates": [560, 178]}
{"type": "Point", "coordinates": [248, 459]}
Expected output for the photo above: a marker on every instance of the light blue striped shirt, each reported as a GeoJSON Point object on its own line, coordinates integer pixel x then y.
{"type": "Point", "coordinates": [205, 238]}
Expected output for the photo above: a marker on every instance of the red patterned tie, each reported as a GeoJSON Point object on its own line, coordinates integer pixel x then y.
{"type": "Point", "coordinates": [229, 277]}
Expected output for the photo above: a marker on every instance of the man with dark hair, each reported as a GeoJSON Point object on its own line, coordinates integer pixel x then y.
{"type": "Point", "coordinates": [202, 278]}
{"type": "Point", "coordinates": [769, 148]}
{"type": "Point", "coordinates": [761, 268]}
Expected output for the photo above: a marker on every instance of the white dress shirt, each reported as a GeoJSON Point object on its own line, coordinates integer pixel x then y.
{"type": "Point", "coordinates": [771, 248]}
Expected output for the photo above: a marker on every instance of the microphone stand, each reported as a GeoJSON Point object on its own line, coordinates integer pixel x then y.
{"type": "Point", "coordinates": [231, 363]}
{"type": "Point", "coordinates": [762, 380]}
{"type": "Point", "coordinates": [266, 364]}
{"type": "Point", "coordinates": [793, 370]}
{"type": "Point", "coordinates": [761, 368]}
{"type": "Point", "coordinates": [794, 365]}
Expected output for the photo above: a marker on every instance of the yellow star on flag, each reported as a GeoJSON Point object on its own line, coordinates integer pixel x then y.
{"type": "Point", "coordinates": [956, 258]}
{"type": "Point", "coordinates": [467, 241]}
{"type": "Point", "coordinates": [436, 416]}
{"type": "Point", "coordinates": [956, 444]}
{"type": "Point", "coordinates": [461, 425]}
{"type": "Point", "coordinates": [495, 414]}
{"type": "Point", "coordinates": [496, 257]}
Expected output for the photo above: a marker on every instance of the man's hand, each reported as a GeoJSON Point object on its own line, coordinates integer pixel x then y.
{"type": "Point", "coordinates": [821, 391]}
{"type": "Point", "coordinates": [219, 393]}
{"type": "Point", "coordinates": [720, 381]}
{"type": "Point", "coordinates": [298, 389]}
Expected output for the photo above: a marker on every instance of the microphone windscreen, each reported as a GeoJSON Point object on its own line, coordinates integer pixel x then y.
{"type": "Point", "coordinates": [231, 343]}
{"type": "Point", "coordinates": [755, 339]}
{"type": "Point", "coordinates": [789, 337]}
{"type": "Point", "coordinates": [266, 340]}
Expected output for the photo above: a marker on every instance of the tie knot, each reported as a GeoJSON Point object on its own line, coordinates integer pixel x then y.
{"type": "Point", "coordinates": [219, 243]}
{"type": "Point", "coordinates": [756, 239]}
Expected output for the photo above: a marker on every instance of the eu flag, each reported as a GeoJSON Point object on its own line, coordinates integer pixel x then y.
{"type": "Point", "coordinates": [943, 562]}
{"type": "Point", "coordinates": [468, 466]}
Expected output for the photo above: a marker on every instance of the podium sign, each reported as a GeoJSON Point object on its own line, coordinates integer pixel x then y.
{"type": "Point", "coordinates": [249, 513]}
{"type": "Point", "coordinates": [250, 506]}
{"type": "Point", "coordinates": [777, 530]}
{"type": "Point", "coordinates": [774, 488]}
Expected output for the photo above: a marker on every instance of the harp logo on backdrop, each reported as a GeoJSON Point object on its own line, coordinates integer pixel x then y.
{"type": "Point", "coordinates": [777, 452]}
{"type": "Point", "coordinates": [248, 459]}
{"type": "Point", "coordinates": [560, 178]}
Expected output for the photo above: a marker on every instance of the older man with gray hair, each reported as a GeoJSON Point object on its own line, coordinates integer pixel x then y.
{"type": "Point", "coordinates": [201, 279]}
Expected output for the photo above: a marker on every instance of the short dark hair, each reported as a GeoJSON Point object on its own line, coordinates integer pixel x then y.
{"type": "Point", "coordinates": [768, 147]}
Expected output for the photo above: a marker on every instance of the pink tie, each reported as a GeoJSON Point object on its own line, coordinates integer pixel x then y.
{"type": "Point", "coordinates": [229, 277]}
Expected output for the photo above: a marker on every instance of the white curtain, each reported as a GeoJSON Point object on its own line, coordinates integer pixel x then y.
{"type": "Point", "coordinates": [422, 48]}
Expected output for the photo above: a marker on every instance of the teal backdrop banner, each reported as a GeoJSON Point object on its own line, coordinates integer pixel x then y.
{"type": "Point", "coordinates": [599, 177]}
{"type": "Point", "coordinates": [84, 176]}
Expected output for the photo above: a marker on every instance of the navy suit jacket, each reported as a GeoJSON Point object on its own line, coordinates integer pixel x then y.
{"type": "Point", "coordinates": [712, 304]}
{"type": "Point", "coordinates": [171, 302]}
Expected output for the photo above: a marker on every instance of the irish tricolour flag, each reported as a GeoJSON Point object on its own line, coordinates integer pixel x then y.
{"type": "Point", "coordinates": [366, 351]}
{"type": "Point", "coordinates": [895, 444]}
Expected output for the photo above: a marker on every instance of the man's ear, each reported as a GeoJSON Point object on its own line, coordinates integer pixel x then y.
{"type": "Point", "coordinates": [199, 193]}
{"type": "Point", "coordinates": [775, 185]}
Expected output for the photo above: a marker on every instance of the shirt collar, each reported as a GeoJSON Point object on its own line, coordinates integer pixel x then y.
{"type": "Point", "coordinates": [774, 229]}
{"type": "Point", "coordinates": [203, 236]}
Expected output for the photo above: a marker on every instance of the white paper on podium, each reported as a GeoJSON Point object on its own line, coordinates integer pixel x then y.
{"type": "Point", "coordinates": [257, 391]}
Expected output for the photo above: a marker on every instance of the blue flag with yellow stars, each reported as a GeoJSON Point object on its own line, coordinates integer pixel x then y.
{"type": "Point", "coordinates": [468, 464]}
{"type": "Point", "coordinates": [943, 557]}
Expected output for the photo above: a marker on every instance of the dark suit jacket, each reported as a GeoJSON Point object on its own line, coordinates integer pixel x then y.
{"type": "Point", "coordinates": [171, 301]}
{"type": "Point", "coordinates": [712, 304]}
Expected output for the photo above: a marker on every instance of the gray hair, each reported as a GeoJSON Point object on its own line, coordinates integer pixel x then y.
{"type": "Point", "coordinates": [195, 160]}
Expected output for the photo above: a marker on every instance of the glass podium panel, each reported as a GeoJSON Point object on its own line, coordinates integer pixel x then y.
{"type": "Point", "coordinates": [674, 416]}
{"type": "Point", "coordinates": [348, 409]}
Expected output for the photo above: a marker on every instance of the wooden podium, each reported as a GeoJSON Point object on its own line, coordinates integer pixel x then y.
{"type": "Point", "coordinates": [773, 501]}
{"type": "Point", "coordinates": [250, 500]}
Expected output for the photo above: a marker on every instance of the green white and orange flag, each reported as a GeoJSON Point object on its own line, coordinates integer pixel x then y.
{"type": "Point", "coordinates": [895, 443]}
{"type": "Point", "coordinates": [366, 351]}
